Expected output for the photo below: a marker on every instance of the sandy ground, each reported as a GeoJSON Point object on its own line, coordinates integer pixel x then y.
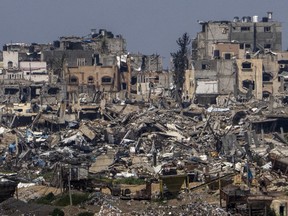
{"type": "Point", "coordinates": [33, 192]}
{"type": "Point", "coordinates": [125, 206]}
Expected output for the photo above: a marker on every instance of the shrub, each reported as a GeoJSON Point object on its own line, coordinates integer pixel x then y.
{"type": "Point", "coordinates": [46, 199]}
{"type": "Point", "coordinates": [76, 199]}
{"type": "Point", "coordinates": [85, 214]}
{"type": "Point", "coordinates": [57, 212]}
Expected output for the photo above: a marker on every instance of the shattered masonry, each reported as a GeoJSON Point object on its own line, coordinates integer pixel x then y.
{"type": "Point", "coordinates": [82, 114]}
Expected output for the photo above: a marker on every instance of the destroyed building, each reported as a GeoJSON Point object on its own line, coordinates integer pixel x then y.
{"type": "Point", "coordinates": [104, 78]}
{"type": "Point", "coordinates": [104, 117]}
{"type": "Point", "coordinates": [247, 54]}
{"type": "Point", "coordinates": [210, 78]}
{"type": "Point", "coordinates": [95, 62]}
{"type": "Point", "coordinates": [153, 82]}
{"type": "Point", "coordinates": [252, 35]}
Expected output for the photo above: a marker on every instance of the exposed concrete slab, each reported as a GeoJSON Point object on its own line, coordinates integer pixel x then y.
{"type": "Point", "coordinates": [102, 163]}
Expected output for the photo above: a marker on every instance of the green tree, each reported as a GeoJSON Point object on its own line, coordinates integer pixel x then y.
{"type": "Point", "coordinates": [180, 63]}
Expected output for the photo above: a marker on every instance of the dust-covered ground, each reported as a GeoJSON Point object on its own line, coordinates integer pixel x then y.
{"type": "Point", "coordinates": [200, 202]}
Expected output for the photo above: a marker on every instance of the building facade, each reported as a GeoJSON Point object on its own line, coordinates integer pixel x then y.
{"type": "Point", "coordinates": [103, 78]}
{"type": "Point", "coordinates": [252, 35]}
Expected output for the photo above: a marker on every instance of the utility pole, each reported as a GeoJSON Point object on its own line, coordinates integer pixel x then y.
{"type": "Point", "coordinates": [30, 70]}
{"type": "Point", "coordinates": [69, 185]}
{"type": "Point", "coordinates": [219, 184]}
{"type": "Point", "coordinates": [60, 174]}
{"type": "Point", "coordinates": [129, 77]}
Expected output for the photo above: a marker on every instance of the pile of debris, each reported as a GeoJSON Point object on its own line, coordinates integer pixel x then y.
{"type": "Point", "coordinates": [197, 209]}
{"type": "Point", "coordinates": [244, 143]}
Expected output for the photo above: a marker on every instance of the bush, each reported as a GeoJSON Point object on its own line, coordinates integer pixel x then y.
{"type": "Point", "coordinates": [62, 200]}
{"type": "Point", "coordinates": [48, 199]}
{"type": "Point", "coordinates": [57, 212]}
{"type": "Point", "coordinates": [85, 214]}
{"type": "Point", "coordinates": [48, 176]}
{"type": "Point", "coordinates": [76, 199]}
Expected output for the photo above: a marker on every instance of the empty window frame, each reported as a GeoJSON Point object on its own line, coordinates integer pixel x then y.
{"type": "Point", "coordinates": [156, 79]}
{"type": "Point", "coordinates": [133, 80]}
{"type": "Point", "coordinates": [90, 80]}
{"type": "Point", "coordinates": [267, 29]}
{"type": "Point", "coordinates": [9, 91]}
{"type": "Point", "coordinates": [10, 64]}
{"type": "Point", "coordinates": [246, 65]}
{"type": "Point", "coordinates": [247, 46]}
{"type": "Point", "coordinates": [247, 84]}
{"type": "Point", "coordinates": [227, 56]}
{"type": "Point", "coordinates": [266, 94]}
{"type": "Point", "coordinates": [267, 77]}
{"type": "Point", "coordinates": [106, 80]}
{"type": "Point", "coordinates": [267, 46]}
{"type": "Point", "coordinates": [245, 28]}
{"type": "Point", "coordinates": [73, 80]}
{"type": "Point", "coordinates": [205, 67]}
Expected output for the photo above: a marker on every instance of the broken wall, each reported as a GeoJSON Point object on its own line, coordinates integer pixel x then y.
{"type": "Point", "coordinates": [260, 34]}
{"type": "Point", "coordinates": [100, 77]}
{"type": "Point", "coordinates": [232, 49]}
{"type": "Point", "coordinates": [73, 57]}
{"type": "Point", "coordinates": [10, 59]}
{"type": "Point", "coordinates": [189, 84]}
{"type": "Point", "coordinates": [250, 74]}
{"type": "Point", "coordinates": [156, 81]}
{"type": "Point", "coordinates": [271, 83]}
{"type": "Point", "coordinates": [212, 31]}
{"type": "Point", "coordinates": [226, 76]}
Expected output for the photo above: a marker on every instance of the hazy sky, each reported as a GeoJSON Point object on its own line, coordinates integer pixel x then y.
{"type": "Point", "coordinates": [149, 26]}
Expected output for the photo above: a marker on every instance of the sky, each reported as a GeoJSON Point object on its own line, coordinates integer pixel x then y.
{"type": "Point", "coordinates": [149, 26]}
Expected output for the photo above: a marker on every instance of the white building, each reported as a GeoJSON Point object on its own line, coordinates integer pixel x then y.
{"type": "Point", "coordinates": [35, 71]}
{"type": "Point", "coordinates": [10, 60]}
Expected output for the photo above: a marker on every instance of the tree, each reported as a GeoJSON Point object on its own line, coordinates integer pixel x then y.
{"type": "Point", "coordinates": [180, 62]}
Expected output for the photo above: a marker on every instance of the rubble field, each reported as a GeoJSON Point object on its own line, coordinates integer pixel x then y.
{"type": "Point", "coordinates": [152, 158]}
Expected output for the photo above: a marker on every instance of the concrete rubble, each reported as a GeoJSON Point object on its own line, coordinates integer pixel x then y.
{"type": "Point", "coordinates": [241, 143]}
{"type": "Point", "coordinates": [108, 132]}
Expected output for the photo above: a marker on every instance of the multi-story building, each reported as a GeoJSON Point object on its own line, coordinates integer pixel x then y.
{"type": "Point", "coordinates": [208, 79]}
{"type": "Point", "coordinates": [94, 77]}
{"type": "Point", "coordinates": [251, 34]}
{"type": "Point", "coordinates": [239, 57]}
{"type": "Point", "coordinates": [249, 76]}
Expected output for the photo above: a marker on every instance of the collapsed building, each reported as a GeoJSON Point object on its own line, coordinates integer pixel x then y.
{"type": "Point", "coordinates": [82, 110]}
{"type": "Point", "coordinates": [98, 61]}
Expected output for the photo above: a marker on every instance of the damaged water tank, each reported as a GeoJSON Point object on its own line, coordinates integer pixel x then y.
{"type": "Point", "coordinates": [102, 32]}
{"type": "Point", "coordinates": [264, 19]}
{"type": "Point", "coordinates": [236, 19]}
{"type": "Point", "coordinates": [93, 31]}
{"type": "Point", "coordinates": [31, 49]}
{"type": "Point", "coordinates": [269, 15]}
{"type": "Point", "coordinates": [56, 44]}
{"type": "Point", "coordinates": [255, 19]}
{"type": "Point", "coordinates": [244, 19]}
